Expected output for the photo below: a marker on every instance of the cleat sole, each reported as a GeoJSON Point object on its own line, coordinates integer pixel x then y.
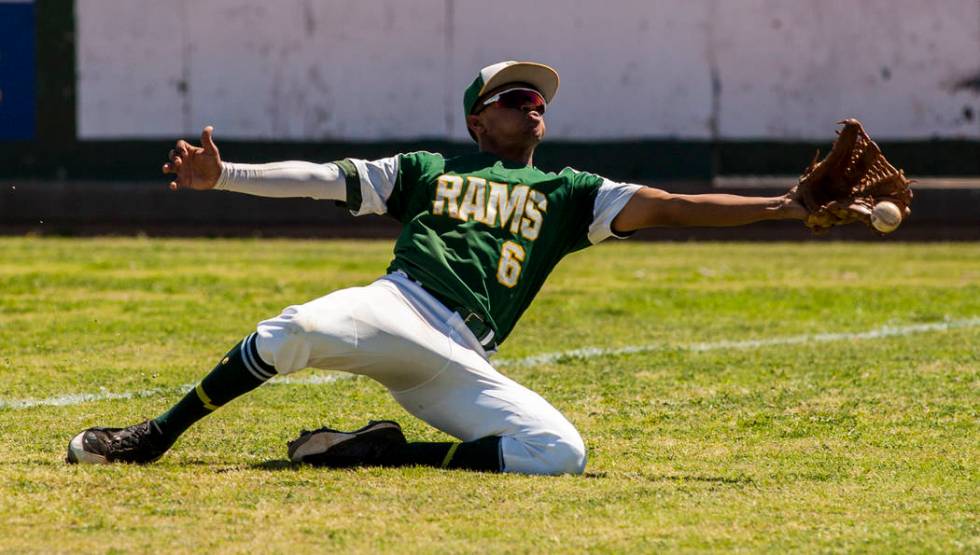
{"type": "Point", "coordinates": [313, 448]}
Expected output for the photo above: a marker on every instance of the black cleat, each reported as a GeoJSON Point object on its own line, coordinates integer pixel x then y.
{"type": "Point", "coordinates": [373, 445]}
{"type": "Point", "coordinates": [141, 443]}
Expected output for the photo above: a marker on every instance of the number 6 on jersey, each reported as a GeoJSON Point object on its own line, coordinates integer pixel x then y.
{"type": "Point", "coordinates": [509, 267]}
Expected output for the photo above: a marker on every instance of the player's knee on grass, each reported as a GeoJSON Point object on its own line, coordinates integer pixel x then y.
{"type": "Point", "coordinates": [571, 458]}
{"type": "Point", "coordinates": [545, 454]}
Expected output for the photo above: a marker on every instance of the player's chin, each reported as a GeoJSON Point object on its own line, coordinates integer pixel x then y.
{"type": "Point", "coordinates": [536, 132]}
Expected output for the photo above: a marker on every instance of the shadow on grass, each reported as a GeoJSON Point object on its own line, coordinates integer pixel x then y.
{"type": "Point", "coordinates": [277, 464]}
{"type": "Point", "coordinates": [280, 465]}
{"type": "Point", "coordinates": [740, 480]}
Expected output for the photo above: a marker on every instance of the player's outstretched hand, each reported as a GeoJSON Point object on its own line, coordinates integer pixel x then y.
{"type": "Point", "coordinates": [197, 167]}
{"type": "Point", "coordinates": [793, 207]}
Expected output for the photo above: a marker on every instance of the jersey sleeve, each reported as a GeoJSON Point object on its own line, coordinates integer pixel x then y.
{"type": "Point", "coordinates": [387, 185]}
{"type": "Point", "coordinates": [609, 201]}
{"type": "Point", "coordinates": [369, 183]}
{"type": "Point", "coordinates": [600, 201]}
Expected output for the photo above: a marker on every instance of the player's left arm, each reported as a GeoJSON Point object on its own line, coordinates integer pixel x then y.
{"type": "Point", "coordinates": [651, 207]}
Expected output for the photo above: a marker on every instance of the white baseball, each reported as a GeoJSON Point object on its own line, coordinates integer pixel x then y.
{"type": "Point", "coordinates": [886, 216]}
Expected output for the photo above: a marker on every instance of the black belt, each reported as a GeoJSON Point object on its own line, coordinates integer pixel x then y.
{"type": "Point", "coordinates": [483, 332]}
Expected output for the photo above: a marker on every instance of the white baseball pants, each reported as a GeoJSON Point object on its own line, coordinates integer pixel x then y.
{"type": "Point", "coordinates": [396, 333]}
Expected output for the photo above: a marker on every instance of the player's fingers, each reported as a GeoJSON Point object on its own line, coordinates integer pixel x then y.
{"type": "Point", "coordinates": [183, 147]}
{"type": "Point", "coordinates": [207, 141]}
{"type": "Point", "coordinates": [172, 167]}
{"type": "Point", "coordinates": [172, 154]}
{"type": "Point", "coordinates": [859, 211]}
{"type": "Point", "coordinates": [173, 186]}
{"type": "Point", "coordinates": [174, 164]}
{"type": "Point", "coordinates": [184, 174]}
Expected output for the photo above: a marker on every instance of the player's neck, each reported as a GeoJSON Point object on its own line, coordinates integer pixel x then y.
{"type": "Point", "coordinates": [523, 154]}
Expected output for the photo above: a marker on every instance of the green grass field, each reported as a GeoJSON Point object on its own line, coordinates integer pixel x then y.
{"type": "Point", "coordinates": [854, 442]}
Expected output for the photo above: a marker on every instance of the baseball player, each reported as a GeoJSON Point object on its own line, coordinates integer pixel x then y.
{"type": "Point", "coordinates": [480, 234]}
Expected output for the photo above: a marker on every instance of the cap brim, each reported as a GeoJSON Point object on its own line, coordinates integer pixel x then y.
{"type": "Point", "coordinates": [540, 76]}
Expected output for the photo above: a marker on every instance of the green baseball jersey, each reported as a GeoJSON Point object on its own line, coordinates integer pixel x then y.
{"type": "Point", "coordinates": [483, 233]}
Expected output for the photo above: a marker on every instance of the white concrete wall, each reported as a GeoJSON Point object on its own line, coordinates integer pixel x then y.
{"type": "Point", "coordinates": [396, 69]}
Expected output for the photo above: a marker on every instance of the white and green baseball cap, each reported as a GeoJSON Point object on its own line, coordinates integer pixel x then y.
{"type": "Point", "coordinates": [542, 77]}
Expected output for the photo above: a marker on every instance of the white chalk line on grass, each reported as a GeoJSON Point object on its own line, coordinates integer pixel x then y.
{"type": "Point", "coordinates": [877, 333]}
{"type": "Point", "coordinates": [104, 395]}
{"type": "Point", "coordinates": [535, 360]}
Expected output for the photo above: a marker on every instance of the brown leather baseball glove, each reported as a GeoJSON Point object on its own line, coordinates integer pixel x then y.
{"type": "Point", "coordinates": [845, 186]}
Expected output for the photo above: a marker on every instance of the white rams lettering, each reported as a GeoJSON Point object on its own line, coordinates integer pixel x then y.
{"type": "Point", "coordinates": [448, 188]}
{"type": "Point", "coordinates": [490, 203]}
{"type": "Point", "coordinates": [531, 223]}
{"type": "Point", "coordinates": [474, 205]}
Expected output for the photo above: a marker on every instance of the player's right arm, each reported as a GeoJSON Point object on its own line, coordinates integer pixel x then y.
{"type": "Point", "coordinates": [201, 168]}
{"type": "Point", "coordinates": [365, 186]}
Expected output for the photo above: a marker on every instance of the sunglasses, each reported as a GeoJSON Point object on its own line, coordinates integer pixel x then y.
{"type": "Point", "coordinates": [516, 99]}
